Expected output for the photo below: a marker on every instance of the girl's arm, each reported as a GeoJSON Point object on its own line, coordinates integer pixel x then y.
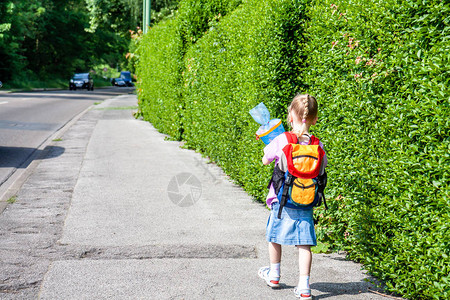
{"type": "Point", "coordinates": [271, 151]}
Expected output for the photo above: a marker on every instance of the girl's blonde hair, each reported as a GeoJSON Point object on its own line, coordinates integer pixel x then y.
{"type": "Point", "coordinates": [304, 107]}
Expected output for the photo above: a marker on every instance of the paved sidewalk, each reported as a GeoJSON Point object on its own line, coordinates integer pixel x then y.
{"type": "Point", "coordinates": [116, 211]}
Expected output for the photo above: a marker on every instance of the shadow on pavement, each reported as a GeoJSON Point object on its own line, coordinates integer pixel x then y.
{"type": "Point", "coordinates": [72, 95]}
{"type": "Point", "coordinates": [284, 286]}
{"type": "Point", "coordinates": [21, 157]}
{"type": "Point", "coordinates": [331, 289]}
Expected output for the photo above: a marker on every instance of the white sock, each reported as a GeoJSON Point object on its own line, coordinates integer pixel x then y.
{"type": "Point", "coordinates": [303, 283]}
{"type": "Point", "coordinates": [274, 270]}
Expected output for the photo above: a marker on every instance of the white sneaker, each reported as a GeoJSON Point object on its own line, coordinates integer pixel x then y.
{"type": "Point", "coordinates": [273, 282]}
{"type": "Point", "coordinates": [303, 294]}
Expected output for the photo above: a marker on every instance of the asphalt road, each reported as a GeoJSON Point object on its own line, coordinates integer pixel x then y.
{"type": "Point", "coordinates": [29, 119]}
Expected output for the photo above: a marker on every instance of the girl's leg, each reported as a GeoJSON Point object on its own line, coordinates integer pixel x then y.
{"type": "Point", "coordinates": [274, 253]}
{"type": "Point", "coordinates": [303, 289]}
{"type": "Point", "coordinates": [271, 275]}
{"type": "Point", "coordinates": [275, 259]}
{"type": "Point", "coordinates": [304, 260]}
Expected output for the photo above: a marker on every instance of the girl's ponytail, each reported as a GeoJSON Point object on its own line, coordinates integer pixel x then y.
{"type": "Point", "coordinates": [304, 107]}
{"type": "Point", "coordinates": [305, 115]}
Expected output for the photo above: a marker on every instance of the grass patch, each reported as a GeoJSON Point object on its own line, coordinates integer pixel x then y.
{"type": "Point", "coordinates": [54, 83]}
{"type": "Point", "coordinates": [57, 140]}
{"type": "Point", "coordinates": [118, 108]}
{"type": "Point", "coordinates": [12, 200]}
{"type": "Point", "coordinates": [28, 85]}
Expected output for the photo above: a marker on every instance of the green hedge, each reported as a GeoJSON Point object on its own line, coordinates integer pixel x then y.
{"type": "Point", "coordinates": [380, 71]}
{"type": "Point", "coordinates": [197, 16]}
{"type": "Point", "coordinates": [160, 80]}
{"type": "Point", "coordinates": [245, 58]}
{"type": "Point", "coordinates": [160, 66]}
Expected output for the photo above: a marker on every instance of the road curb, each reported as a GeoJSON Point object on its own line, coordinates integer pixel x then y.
{"type": "Point", "coordinates": [18, 178]}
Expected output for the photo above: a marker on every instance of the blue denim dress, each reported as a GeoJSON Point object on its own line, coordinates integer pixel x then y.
{"type": "Point", "coordinates": [296, 226]}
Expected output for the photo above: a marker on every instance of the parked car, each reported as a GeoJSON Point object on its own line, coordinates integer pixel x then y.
{"type": "Point", "coordinates": [81, 81]}
{"type": "Point", "coordinates": [126, 76]}
{"type": "Point", "coordinates": [118, 82]}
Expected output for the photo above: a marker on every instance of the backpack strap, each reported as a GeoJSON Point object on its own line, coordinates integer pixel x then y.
{"type": "Point", "coordinates": [291, 137]}
{"type": "Point", "coordinates": [313, 140]}
{"type": "Point", "coordinates": [322, 183]}
{"type": "Point", "coordinates": [284, 195]}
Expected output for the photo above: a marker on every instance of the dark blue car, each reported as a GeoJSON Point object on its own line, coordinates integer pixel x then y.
{"type": "Point", "coordinates": [81, 81]}
{"type": "Point", "coordinates": [126, 76]}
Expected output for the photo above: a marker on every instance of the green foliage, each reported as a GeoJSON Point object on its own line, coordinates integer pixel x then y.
{"type": "Point", "coordinates": [321, 248]}
{"type": "Point", "coordinates": [27, 84]}
{"type": "Point", "coordinates": [12, 200]}
{"type": "Point", "coordinates": [54, 42]}
{"type": "Point", "coordinates": [105, 71]}
{"type": "Point", "coordinates": [246, 57]}
{"type": "Point", "coordinates": [240, 67]}
{"type": "Point", "coordinates": [42, 39]}
{"type": "Point", "coordinates": [24, 84]}
{"type": "Point", "coordinates": [117, 15]}
{"type": "Point", "coordinates": [380, 71]}
{"type": "Point", "coordinates": [15, 28]}
{"type": "Point", "coordinates": [162, 10]}
{"type": "Point", "coordinates": [160, 84]}
{"type": "Point", "coordinates": [159, 5]}
{"type": "Point", "coordinates": [196, 16]}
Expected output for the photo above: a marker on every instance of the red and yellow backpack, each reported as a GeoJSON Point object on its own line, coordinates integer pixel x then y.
{"type": "Point", "coordinates": [298, 178]}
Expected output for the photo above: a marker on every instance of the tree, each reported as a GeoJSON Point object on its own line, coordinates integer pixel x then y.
{"type": "Point", "coordinates": [53, 38]}
{"type": "Point", "coordinates": [116, 15]}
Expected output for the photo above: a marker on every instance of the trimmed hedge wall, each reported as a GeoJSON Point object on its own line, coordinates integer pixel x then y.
{"type": "Point", "coordinates": [159, 70]}
{"type": "Point", "coordinates": [197, 16]}
{"type": "Point", "coordinates": [380, 71]}
{"type": "Point", "coordinates": [160, 65]}
{"type": "Point", "coordinates": [245, 58]}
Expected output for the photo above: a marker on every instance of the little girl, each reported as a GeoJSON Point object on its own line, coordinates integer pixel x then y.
{"type": "Point", "coordinates": [296, 226]}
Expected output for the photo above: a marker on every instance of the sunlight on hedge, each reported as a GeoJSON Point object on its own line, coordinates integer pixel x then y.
{"type": "Point", "coordinates": [380, 71]}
